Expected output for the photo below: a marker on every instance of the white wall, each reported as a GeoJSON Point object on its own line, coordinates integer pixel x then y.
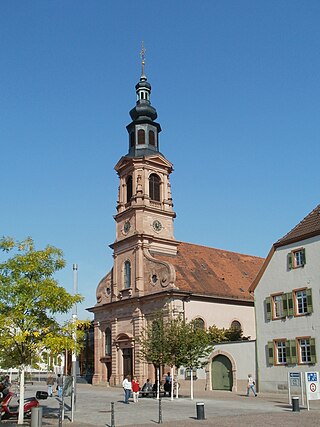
{"type": "Point", "coordinates": [222, 315]}
{"type": "Point", "coordinates": [277, 278]}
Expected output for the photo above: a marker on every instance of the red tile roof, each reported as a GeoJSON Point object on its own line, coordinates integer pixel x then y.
{"type": "Point", "coordinates": [308, 227]}
{"type": "Point", "coordinates": [213, 272]}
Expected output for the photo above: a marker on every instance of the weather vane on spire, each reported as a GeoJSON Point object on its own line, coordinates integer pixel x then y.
{"type": "Point", "coordinates": [142, 56]}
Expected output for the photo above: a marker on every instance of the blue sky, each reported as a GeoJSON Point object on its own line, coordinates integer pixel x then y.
{"type": "Point", "coordinates": [237, 90]}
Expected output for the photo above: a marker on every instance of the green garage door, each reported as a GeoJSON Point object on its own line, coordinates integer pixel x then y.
{"type": "Point", "coordinates": [221, 373]}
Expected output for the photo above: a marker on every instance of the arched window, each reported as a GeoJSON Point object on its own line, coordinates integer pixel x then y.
{"type": "Point", "coordinates": [108, 341]}
{"type": "Point", "coordinates": [152, 140]}
{"type": "Point", "coordinates": [236, 325]}
{"type": "Point", "coordinates": [199, 323]}
{"type": "Point", "coordinates": [132, 139]}
{"type": "Point", "coordinates": [127, 275]}
{"type": "Point", "coordinates": [141, 136]}
{"type": "Point", "coordinates": [154, 187]}
{"type": "Point", "coordinates": [129, 188]}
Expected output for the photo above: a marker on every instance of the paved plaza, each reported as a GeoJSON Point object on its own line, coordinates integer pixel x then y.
{"type": "Point", "coordinates": [223, 409]}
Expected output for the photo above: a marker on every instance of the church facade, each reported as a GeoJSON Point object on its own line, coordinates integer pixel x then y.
{"type": "Point", "coordinates": [152, 270]}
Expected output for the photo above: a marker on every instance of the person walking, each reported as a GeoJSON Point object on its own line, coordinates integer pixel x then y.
{"type": "Point", "coordinates": [50, 383]}
{"type": "Point", "coordinates": [127, 387]}
{"type": "Point", "coordinates": [135, 389]}
{"type": "Point", "coordinates": [250, 386]}
{"type": "Point", "coordinates": [59, 385]}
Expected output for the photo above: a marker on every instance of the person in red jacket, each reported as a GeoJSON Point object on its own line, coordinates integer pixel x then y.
{"type": "Point", "coordinates": [135, 389]}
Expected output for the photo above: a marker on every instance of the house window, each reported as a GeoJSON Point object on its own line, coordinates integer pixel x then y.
{"type": "Point", "coordinates": [296, 258]}
{"type": "Point", "coordinates": [302, 301]}
{"type": "Point", "coordinates": [108, 341]}
{"type": "Point", "coordinates": [281, 356]}
{"type": "Point", "coordinates": [278, 306]}
{"type": "Point", "coordinates": [141, 137]}
{"type": "Point", "coordinates": [127, 275]}
{"type": "Point", "coordinates": [154, 187]}
{"type": "Point", "coordinates": [304, 346]}
{"type": "Point", "coordinates": [129, 188]}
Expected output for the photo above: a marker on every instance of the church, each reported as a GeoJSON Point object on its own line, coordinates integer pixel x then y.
{"type": "Point", "coordinates": [151, 269]}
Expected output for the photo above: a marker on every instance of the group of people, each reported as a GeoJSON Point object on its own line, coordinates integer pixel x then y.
{"type": "Point", "coordinates": [133, 386]}
{"type": "Point", "coordinates": [50, 383]}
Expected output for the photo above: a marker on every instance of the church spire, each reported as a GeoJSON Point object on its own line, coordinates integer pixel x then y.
{"type": "Point", "coordinates": [143, 130]}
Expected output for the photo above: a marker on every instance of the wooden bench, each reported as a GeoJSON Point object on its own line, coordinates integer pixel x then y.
{"type": "Point", "coordinates": [151, 393]}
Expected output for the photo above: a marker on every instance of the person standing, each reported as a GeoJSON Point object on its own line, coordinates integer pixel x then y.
{"type": "Point", "coordinates": [50, 383]}
{"type": "Point", "coordinates": [250, 386]}
{"type": "Point", "coordinates": [59, 385]}
{"type": "Point", "coordinates": [135, 389]}
{"type": "Point", "coordinates": [127, 387]}
{"type": "Point", "coordinates": [167, 384]}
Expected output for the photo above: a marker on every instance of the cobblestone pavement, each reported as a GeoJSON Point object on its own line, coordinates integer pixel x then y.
{"type": "Point", "coordinates": [222, 409]}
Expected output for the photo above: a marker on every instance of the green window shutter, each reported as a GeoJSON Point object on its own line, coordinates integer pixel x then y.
{"type": "Point", "coordinates": [284, 305]}
{"type": "Point", "coordinates": [268, 308]}
{"type": "Point", "coordinates": [309, 300]}
{"type": "Point", "coordinates": [293, 352]}
{"type": "Point", "coordinates": [303, 251]}
{"type": "Point", "coordinates": [289, 260]}
{"type": "Point", "coordinates": [290, 304]}
{"type": "Point", "coordinates": [313, 350]}
{"type": "Point", "coordinates": [288, 352]}
{"type": "Point", "coordinates": [270, 353]}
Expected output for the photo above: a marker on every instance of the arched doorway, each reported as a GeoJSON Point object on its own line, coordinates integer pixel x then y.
{"type": "Point", "coordinates": [221, 373]}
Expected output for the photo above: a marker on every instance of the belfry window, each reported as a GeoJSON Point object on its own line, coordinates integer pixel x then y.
{"type": "Point", "coordinates": [154, 187]}
{"type": "Point", "coordinates": [151, 138]}
{"type": "Point", "coordinates": [141, 137]}
{"type": "Point", "coordinates": [127, 275]}
{"type": "Point", "coordinates": [132, 139]}
{"type": "Point", "coordinates": [129, 188]}
{"type": "Point", "coordinates": [108, 341]}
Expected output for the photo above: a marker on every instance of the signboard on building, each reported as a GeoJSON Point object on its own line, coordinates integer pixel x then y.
{"type": "Point", "coordinates": [295, 379]}
{"type": "Point", "coordinates": [312, 385]}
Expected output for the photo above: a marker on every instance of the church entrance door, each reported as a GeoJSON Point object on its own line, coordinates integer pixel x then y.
{"type": "Point", "coordinates": [127, 361]}
{"type": "Point", "coordinates": [221, 373]}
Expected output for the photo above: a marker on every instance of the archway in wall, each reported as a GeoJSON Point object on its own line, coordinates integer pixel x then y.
{"type": "Point", "coordinates": [221, 373]}
{"type": "Point", "coordinates": [125, 344]}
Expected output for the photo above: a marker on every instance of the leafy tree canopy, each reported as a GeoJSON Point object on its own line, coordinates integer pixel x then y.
{"type": "Point", "coordinates": [30, 298]}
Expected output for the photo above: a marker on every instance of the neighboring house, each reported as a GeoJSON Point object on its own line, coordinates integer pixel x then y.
{"type": "Point", "coordinates": [287, 303]}
{"type": "Point", "coordinates": [152, 270]}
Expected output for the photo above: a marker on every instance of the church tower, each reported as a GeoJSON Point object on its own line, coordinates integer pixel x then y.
{"type": "Point", "coordinates": [144, 218]}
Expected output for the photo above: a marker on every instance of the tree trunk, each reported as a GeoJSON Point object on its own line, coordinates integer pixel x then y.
{"type": "Point", "coordinates": [21, 397]}
{"type": "Point", "coordinates": [158, 383]}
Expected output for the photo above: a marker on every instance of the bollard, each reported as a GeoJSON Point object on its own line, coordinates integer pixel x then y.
{"type": "Point", "coordinates": [160, 412]}
{"type": "Point", "coordinates": [60, 414]}
{"type": "Point", "coordinates": [200, 411]}
{"type": "Point", "coordinates": [295, 404]}
{"type": "Point", "coordinates": [112, 415]}
{"type": "Point", "coordinates": [36, 417]}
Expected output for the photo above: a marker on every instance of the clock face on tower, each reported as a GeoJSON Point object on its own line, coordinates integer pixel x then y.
{"type": "Point", "coordinates": [157, 226]}
{"type": "Point", "coordinates": [126, 227]}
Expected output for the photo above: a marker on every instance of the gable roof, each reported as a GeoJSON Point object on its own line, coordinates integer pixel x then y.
{"type": "Point", "coordinates": [308, 227]}
{"type": "Point", "coordinates": [213, 272]}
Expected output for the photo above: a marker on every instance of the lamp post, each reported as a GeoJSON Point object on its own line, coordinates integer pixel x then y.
{"type": "Point", "coordinates": [74, 355]}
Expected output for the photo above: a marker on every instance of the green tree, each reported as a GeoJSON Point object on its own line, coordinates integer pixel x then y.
{"type": "Point", "coordinates": [30, 298]}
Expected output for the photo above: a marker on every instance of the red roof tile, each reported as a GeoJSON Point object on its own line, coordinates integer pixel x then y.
{"type": "Point", "coordinates": [308, 227]}
{"type": "Point", "coordinates": [213, 272]}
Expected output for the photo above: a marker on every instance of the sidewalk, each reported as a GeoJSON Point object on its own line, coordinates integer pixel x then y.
{"type": "Point", "coordinates": [223, 409]}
